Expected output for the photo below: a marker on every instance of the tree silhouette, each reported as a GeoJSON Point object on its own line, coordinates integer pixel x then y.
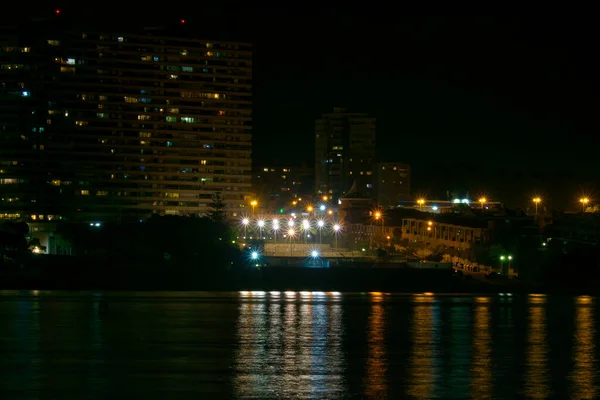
{"type": "Point", "coordinates": [217, 209]}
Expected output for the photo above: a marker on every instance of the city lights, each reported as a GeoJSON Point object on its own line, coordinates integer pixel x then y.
{"type": "Point", "coordinates": [291, 223]}
{"type": "Point", "coordinates": [314, 254]}
{"type": "Point", "coordinates": [254, 255]}
{"type": "Point", "coordinates": [261, 223]}
{"type": "Point", "coordinates": [322, 207]}
{"type": "Point", "coordinates": [306, 224]}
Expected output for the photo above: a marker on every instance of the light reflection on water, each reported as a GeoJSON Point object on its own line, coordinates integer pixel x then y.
{"type": "Point", "coordinates": [585, 370]}
{"type": "Point", "coordinates": [481, 383]}
{"type": "Point", "coordinates": [289, 349]}
{"type": "Point", "coordinates": [315, 345]}
{"type": "Point", "coordinates": [537, 374]}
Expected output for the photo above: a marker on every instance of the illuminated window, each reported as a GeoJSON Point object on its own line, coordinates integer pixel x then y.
{"type": "Point", "coordinates": [188, 120]}
{"type": "Point", "coordinates": [102, 98]}
{"type": "Point", "coordinates": [174, 110]}
{"type": "Point", "coordinates": [130, 99]}
{"type": "Point", "coordinates": [67, 69]}
{"type": "Point", "coordinates": [187, 69]}
{"type": "Point", "coordinates": [120, 39]}
{"type": "Point", "coordinates": [144, 117]}
{"type": "Point", "coordinates": [145, 134]}
{"type": "Point", "coordinates": [54, 42]}
{"type": "Point", "coordinates": [81, 123]}
{"type": "Point", "coordinates": [102, 193]}
{"type": "Point", "coordinates": [102, 115]}
{"type": "Point", "coordinates": [85, 192]}
{"type": "Point", "coordinates": [266, 169]}
{"type": "Point", "coordinates": [203, 162]}
{"type": "Point", "coordinates": [171, 119]}
{"type": "Point", "coordinates": [173, 76]}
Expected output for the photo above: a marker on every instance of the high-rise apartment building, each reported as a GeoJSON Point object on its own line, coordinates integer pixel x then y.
{"type": "Point", "coordinates": [344, 152]}
{"type": "Point", "coordinates": [117, 126]}
{"type": "Point", "coordinates": [391, 184]}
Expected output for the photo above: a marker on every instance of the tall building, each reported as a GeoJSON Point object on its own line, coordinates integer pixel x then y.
{"type": "Point", "coordinates": [120, 126]}
{"type": "Point", "coordinates": [392, 184]}
{"type": "Point", "coordinates": [344, 152]}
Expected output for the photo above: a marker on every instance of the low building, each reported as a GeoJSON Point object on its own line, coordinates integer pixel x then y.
{"type": "Point", "coordinates": [454, 234]}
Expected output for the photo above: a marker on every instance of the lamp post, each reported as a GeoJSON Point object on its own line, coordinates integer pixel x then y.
{"type": "Point", "coordinates": [536, 201]}
{"type": "Point", "coordinates": [253, 203]}
{"type": "Point", "coordinates": [584, 202]}
{"type": "Point", "coordinates": [245, 223]}
{"type": "Point", "coordinates": [261, 224]}
{"type": "Point", "coordinates": [275, 229]}
{"type": "Point", "coordinates": [482, 200]}
{"type": "Point", "coordinates": [291, 233]}
{"type": "Point", "coordinates": [336, 229]}
{"type": "Point", "coordinates": [320, 225]}
{"type": "Point", "coordinates": [305, 229]}
{"type": "Point", "coordinates": [420, 202]}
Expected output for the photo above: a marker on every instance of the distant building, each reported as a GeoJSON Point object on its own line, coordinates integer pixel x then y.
{"type": "Point", "coordinates": [344, 153]}
{"type": "Point", "coordinates": [392, 184]}
{"type": "Point", "coordinates": [119, 126]}
{"type": "Point", "coordinates": [277, 187]}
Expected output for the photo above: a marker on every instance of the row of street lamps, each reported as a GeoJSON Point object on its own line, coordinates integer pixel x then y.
{"type": "Point", "coordinates": [305, 225]}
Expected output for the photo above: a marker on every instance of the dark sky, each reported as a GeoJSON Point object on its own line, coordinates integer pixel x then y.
{"type": "Point", "coordinates": [499, 105]}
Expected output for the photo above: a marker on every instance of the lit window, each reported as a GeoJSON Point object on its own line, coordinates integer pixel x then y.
{"type": "Point", "coordinates": [203, 162]}
{"type": "Point", "coordinates": [54, 42]}
{"type": "Point", "coordinates": [130, 99]}
{"type": "Point", "coordinates": [85, 192]}
{"type": "Point", "coordinates": [171, 119]}
{"type": "Point", "coordinates": [71, 61]}
{"type": "Point", "coordinates": [102, 115]}
{"type": "Point", "coordinates": [81, 123]}
{"type": "Point", "coordinates": [145, 134]}
{"type": "Point", "coordinates": [188, 120]}
{"type": "Point", "coordinates": [120, 39]}
{"type": "Point", "coordinates": [187, 69]}
{"type": "Point", "coordinates": [174, 110]}
{"type": "Point", "coordinates": [266, 169]}
{"type": "Point", "coordinates": [102, 193]}
{"type": "Point", "coordinates": [25, 94]}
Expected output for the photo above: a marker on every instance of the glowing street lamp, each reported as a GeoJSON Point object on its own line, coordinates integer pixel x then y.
{"type": "Point", "coordinates": [254, 255]}
{"type": "Point", "coordinates": [275, 227]}
{"type": "Point", "coordinates": [420, 202]}
{"type": "Point", "coordinates": [305, 228]}
{"type": "Point", "coordinates": [320, 225]}
{"type": "Point", "coordinates": [325, 198]}
{"type": "Point", "coordinates": [245, 223]}
{"type": "Point", "coordinates": [253, 203]}
{"type": "Point", "coordinates": [309, 209]}
{"type": "Point", "coordinates": [291, 232]}
{"type": "Point", "coordinates": [290, 223]}
{"type": "Point", "coordinates": [482, 200]}
{"type": "Point", "coordinates": [322, 207]}
{"type": "Point", "coordinates": [261, 224]}
{"type": "Point", "coordinates": [314, 254]}
{"type": "Point", "coordinates": [336, 229]}
{"type": "Point", "coordinates": [536, 201]}
{"type": "Point", "coordinates": [584, 202]}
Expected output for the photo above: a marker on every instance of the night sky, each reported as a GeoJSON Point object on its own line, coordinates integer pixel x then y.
{"type": "Point", "coordinates": [504, 106]}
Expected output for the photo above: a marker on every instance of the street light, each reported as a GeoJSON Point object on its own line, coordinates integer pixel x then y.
{"type": "Point", "coordinates": [320, 224]}
{"type": "Point", "coordinates": [275, 226]}
{"type": "Point", "coordinates": [314, 254]}
{"type": "Point", "coordinates": [245, 223]}
{"type": "Point", "coordinates": [482, 200]}
{"type": "Point", "coordinates": [291, 233]}
{"type": "Point", "coordinates": [305, 228]}
{"type": "Point", "coordinates": [420, 202]}
{"type": "Point", "coordinates": [253, 203]}
{"type": "Point", "coordinates": [322, 207]}
{"type": "Point", "coordinates": [537, 200]}
{"type": "Point", "coordinates": [584, 201]}
{"type": "Point", "coordinates": [325, 198]}
{"type": "Point", "coordinates": [309, 209]}
{"type": "Point", "coordinates": [290, 223]}
{"type": "Point", "coordinates": [261, 224]}
{"type": "Point", "coordinates": [336, 229]}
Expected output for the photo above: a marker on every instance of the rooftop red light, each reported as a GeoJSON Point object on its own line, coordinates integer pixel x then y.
{"type": "Point", "coordinates": [57, 11]}
{"type": "Point", "coordinates": [182, 21]}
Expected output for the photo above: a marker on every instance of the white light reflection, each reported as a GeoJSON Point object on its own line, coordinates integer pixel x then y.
{"type": "Point", "coordinates": [289, 350]}
{"type": "Point", "coordinates": [275, 294]}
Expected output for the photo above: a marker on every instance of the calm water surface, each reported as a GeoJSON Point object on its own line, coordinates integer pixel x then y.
{"type": "Point", "coordinates": [59, 345]}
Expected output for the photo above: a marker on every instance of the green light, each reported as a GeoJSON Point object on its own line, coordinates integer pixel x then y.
{"type": "Point", "coordinates": [281, 210]}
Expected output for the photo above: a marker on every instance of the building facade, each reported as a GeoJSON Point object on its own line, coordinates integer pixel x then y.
{"type": "Point", "coordinates": [344, 153]}
{"type": "Point", "coordinates": [392, 184]}
{"type": "Point", "coordinates": [109, 126]}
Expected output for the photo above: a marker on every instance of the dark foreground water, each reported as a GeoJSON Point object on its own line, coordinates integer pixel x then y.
{"type": "Point", "coordinates": [60, 345]}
